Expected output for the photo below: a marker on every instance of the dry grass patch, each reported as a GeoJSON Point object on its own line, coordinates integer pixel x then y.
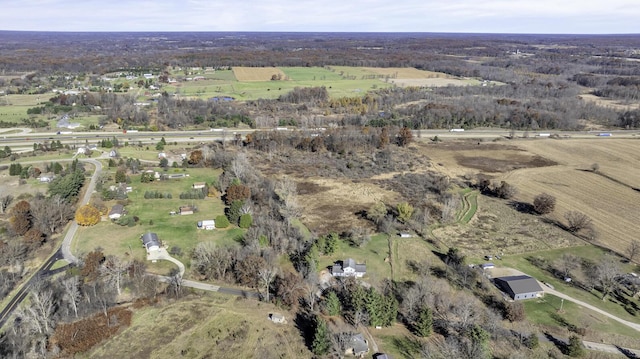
{"type": "Point", "coordinates": [211, 326]}
{"type": "Point", "coordinates": [331, 205]}
{"type": "Point", "coordinates": [249, 74]}
{"type": "Point", "coordinates": [498, 228]}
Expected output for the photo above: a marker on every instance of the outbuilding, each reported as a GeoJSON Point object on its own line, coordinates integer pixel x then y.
{"type": "Point", "coordinates": [520, 287]}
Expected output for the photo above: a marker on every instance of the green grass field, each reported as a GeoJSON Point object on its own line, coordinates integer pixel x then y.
{"type": "Point", "coordinates": [373, 254]}
{"type": "Point", "coordinates": [546, 312]}
{"type": "Point", "coordinates": [174, 230]}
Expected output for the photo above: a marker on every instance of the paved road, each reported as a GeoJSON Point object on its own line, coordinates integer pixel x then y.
{"type": "Point", "coordinates": [63, 252]}
{"type": "Point", "coordinates": [71, 233]}
{"type": "Point", "coordinates": [43, 271]}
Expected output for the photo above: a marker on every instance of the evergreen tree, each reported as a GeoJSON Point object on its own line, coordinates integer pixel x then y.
{"type": "Point", "coordinates": [424, 324]}
{"type": "Point", "coordinates": [332, 304]}
{"type": "Point", "coordinates": [575, 349]}
{"type": "Point", "coordinates": [321, 341]}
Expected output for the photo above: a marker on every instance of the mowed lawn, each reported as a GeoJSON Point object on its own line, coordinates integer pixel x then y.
{"type": "Point", "coordinates": [592, 253]}
{"type": "Point", "coordinates": [154, 216]}
{"type": "Point", "coordinates": [375, 254]}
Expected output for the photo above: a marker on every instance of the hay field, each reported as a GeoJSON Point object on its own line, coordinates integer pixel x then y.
{"type": "Point", "coordinates": [605, 197]}
{"type": "Point", "coordinates": [560, 168]}
{"type": "Point", "coordinates": [406, 73]}
{"type": "Point", "coordinates": [248, 74]}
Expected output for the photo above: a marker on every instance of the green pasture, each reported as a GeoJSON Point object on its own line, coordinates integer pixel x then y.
{"type": "Point", "coordinates": [522, 263]}
{"type": "Point", "coordinates": [223, 83]}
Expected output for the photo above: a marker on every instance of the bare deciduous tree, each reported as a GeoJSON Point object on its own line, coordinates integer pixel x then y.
{"type": "Point", "coordinates": [51, 214]}
{"type": "Point", "coordinates": [113, 271]}
{"type": "Point", "coordinates": [267, 274]}
{"type": "Point", "coordinates": [607, 273]}
{"type": "Point", "coordinates": [568, 263]}
{"type": "Point", "coordinates": [577, 221]}
{"type": "Point", "coordinates": [72, 293]}
{"type": "Point", "coordinates": [633, 249]}
{"type": "Point", "coordinates": [5, 201]}
{"type": "Point", "coordinates": [544, 203]}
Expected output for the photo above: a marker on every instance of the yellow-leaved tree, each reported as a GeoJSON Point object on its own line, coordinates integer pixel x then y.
{"type": "Point", "coordinates": [87, 215]}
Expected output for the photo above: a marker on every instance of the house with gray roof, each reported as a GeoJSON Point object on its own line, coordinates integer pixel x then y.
{"type": "Point", "coordinates": [116, 211]}
{"type": "Point", "coordinates": [520, 287]}
{"type": "Point", "coordinates": [151, 242]}
{"type": "Point", "coordinates": [348, 268]}
{"type": "Point", "coordinates": [357, 346]}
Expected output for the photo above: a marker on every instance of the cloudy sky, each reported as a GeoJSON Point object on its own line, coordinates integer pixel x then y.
{"type": "Point", "coordinates": [489, 16]}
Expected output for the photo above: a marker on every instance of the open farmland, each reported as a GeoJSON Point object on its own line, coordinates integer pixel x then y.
{"type": "Point", "coordinates": [606, 196]}
{"type": "Point", "coordinates": [256, 73]}
{"type": "Point", "coordinates": [560, 168]}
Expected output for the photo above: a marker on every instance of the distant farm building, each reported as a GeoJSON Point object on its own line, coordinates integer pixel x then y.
{"type": "Point", "coordinates": [277, 318]}
{"type": "Point", "coordinates": [184, 210]}
{"type": "Point", "coordinates": [199, 185]}
{"type": "Point", "coordinates": [520, 287]}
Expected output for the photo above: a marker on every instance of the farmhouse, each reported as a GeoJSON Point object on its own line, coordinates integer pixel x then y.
{"type": "Point", "coordinates": [357, 346]}
{"type": "Point", "coordinates": [184, 210]}
{"type": "Point", "coordinates": [116, 211]}
{"type": "Point", "coordinates": [150, 241]}
{"type": "Point", "coordinates": [520, 287]}
{"type": "Point", "coordinates": [198, 185]}
{"type": "Point", "coordinates": [348, 268]}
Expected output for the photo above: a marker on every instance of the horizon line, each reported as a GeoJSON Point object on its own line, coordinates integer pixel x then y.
{"type": "Point", "coordinates": [317, 32]}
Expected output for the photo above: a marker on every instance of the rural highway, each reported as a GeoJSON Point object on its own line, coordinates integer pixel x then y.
{"type": "Point", "coordinates": [24, 140]}
{"type": "Point", "coordinates": [64, 252]}
{"type": "Point", "coordinates": [43, 271]}
{"type": "Point", "coordinates": [68, 238]}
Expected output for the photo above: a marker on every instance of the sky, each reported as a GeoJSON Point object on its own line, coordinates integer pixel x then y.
{"type": "Point", "coordinates": [462, 16]}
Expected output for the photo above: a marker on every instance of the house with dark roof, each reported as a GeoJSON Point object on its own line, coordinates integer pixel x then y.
{"type": "Point", "coordinates": [150, 241]}
{"type": "Point", "coordinates": [520, 287]}
{"type": "Point", "coordinates": [116, 211]}
{"type": "Point", "coordinates": [357, 346]}
{"type": "Point", "coordinates": [348, 268]}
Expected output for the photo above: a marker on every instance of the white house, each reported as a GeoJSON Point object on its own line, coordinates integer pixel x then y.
{"type": "Point", "coordinates": [207, 224]}
{"type": "Point", "coordinates": [348, 268]}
